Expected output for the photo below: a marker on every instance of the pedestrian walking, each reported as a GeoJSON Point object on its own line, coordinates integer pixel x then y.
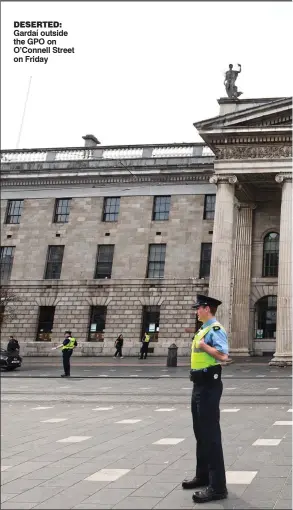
{"type": "Point", "coordinates": [13, 345]}
{"type": "Point", "coordinates": [209, 348]}
{"type": "Point", "coordinates": [145, 346]}
{"type": "Point", "coordinates": [118, 345]}
{"type": "Point", "coordinates": [68, 345]}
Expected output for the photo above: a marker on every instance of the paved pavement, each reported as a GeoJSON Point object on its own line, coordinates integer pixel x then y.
{"type": "Point", "coordinates": [126, 441]}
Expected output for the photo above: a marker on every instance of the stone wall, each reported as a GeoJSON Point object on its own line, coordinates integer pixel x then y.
{"type": "Point", "coordinates": [131, 235]}
{"type": "Point", "coordinates": [125, 301]}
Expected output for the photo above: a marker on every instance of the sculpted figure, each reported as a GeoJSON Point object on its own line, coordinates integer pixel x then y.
{"type": "Point", "coordinates": [230, 79]}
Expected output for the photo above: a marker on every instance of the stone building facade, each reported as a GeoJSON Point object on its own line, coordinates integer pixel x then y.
{"type": "Point", "coordinates": [111, 239]}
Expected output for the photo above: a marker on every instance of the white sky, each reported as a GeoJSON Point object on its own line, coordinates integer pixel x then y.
{"type": "Point", "coordinates": [143, 72]}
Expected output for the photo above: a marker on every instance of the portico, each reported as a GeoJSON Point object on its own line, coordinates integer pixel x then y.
{"type": "Point", "coordinates": [252, 143]}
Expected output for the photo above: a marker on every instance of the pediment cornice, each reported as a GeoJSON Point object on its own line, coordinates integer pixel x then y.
{"type": "Point", "coordinates": [274, 114]}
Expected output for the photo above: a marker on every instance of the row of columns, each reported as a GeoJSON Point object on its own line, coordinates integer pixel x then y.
{"type": "Point", "coordinates": [230, 275]}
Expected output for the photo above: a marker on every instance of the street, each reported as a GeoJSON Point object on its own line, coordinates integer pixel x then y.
{"type": "Point", "coordinates": [118, 434]}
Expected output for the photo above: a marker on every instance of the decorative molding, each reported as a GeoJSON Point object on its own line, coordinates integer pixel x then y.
{"type": "Point", "coordinates": [17, 182]}
{"type": "Point", "coordinates": [259, 291]}
{"type": "Point", "coordinates": [47, 301]}
{"type": "Point", "coordinates": [254, 152]}
{"type": "Point", "coordinates": [251, 139]}
{"type": "Point", "coordinates": [98, 301]}
{"type": "Point", "coordinates": [223, 179]}
{"type": "Point", "coordinates": [151, 300]}
{"type": "Point", "coordinates": [283, 177]}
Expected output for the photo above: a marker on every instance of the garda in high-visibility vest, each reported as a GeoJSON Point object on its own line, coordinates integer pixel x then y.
{"type": "Point", "coordinates": [70, 345]}
{"type": "Point", "coordinates": [199, 358]}
{"type": "Point", "coordinates": [147, 338]}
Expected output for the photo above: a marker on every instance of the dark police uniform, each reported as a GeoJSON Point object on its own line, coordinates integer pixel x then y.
{"type": "Point", "coordinates": [68, 345]}
{"type": "Point", "coordinates": [207, 391]}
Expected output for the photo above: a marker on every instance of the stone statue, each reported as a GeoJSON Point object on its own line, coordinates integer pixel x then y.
{"type": "Point", "coordinates": [230, 79]}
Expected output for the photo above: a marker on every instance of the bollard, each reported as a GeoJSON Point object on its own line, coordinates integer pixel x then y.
{"type": "Point", "coordinates": [172, 356]}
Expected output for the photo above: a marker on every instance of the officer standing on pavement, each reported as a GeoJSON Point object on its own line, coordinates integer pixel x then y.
{"type": "Point", "coordinates": [69, 343]}
{"type": "Point", "coordinates": [209, 348]}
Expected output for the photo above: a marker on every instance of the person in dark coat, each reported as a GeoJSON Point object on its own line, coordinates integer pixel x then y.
{"type": "Point", "coordinates": [13, 345]}
{"type": "Point", "coordinates": [118, 345]}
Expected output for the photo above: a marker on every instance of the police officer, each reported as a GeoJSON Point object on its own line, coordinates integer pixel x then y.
{"type": "Point", "coordinates": [209, 348]}
{"type": "Point", "coordinates": [145, 346]}
{"type": "Point", "coordinates": [69, 343]}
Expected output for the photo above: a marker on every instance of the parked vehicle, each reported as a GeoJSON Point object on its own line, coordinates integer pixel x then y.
{"type": "Point", "coordinates": [10, 360]}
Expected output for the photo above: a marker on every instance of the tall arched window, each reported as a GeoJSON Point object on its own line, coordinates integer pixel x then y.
{"type": "Point", "coordinates": [271, 254]}
{"type": "Point", "coordinates": [266, 317]}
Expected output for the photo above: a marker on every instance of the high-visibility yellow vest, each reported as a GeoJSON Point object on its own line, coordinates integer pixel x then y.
{"type": "Point", "coordinates": [70, 345]}
{"type": "Point", "coordinates": [201, 359]}
{"type": "Point", "coordinates": [147, 338]}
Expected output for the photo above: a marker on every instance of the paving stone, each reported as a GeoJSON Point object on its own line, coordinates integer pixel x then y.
{"type": "Point", "coordinates": [148, 469]}
{"type": "Point", "coordinates": [156, 489]}
{"type": "Point", "coordinates": [35, 495]}
{"type": "Point", "coordinates": [286, 492]}
{"type": "Point", "coordinates": [129, 481]}
{"type": "Point", "coordinates": [109, 496]}
{"type": "Point", "coordinates": [139, 503]}
{"type": "Point", "coordinates": [20, 485]}
{"type": "Point", "coordinates": [6, 497]}
{"type": "Point", "coordinates": [19, 506]}
{"type": "Point", "coordinates": [283, 504]}
{"type": "Point", "coordinates": [107, 475]}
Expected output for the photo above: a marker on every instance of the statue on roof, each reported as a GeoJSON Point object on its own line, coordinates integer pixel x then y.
{"type": "Point", "coordinates": [230, 79]}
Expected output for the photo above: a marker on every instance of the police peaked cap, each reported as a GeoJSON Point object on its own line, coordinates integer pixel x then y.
{"type": "Point", "coordinates": [206, 301]}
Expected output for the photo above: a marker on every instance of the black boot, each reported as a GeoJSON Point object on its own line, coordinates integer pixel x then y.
{"type": "Point", "coordinates": [194, 483]}
{"type": "Point", "coordinates": [209, 494]}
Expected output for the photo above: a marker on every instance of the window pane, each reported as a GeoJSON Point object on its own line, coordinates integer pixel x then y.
{"type": "Point", "coordinates": [6, 261]}
{"type": "Point", "coordinates": [205, 260]}
{"type": "Point", "coordinates": [161, 208]}
{"type": "Point", "coordinates": [62, 208]}
{"type": "Point", "coordinates": [54, 262]}
{"type": "Point", "coordinates": [271, 254]}
{"type": "Point", "coordinates": [14, 210]}
{"type": "Point", "coordinates": [156, 261]}
{"type": "Point", "coordinates": [111, 208]}
{"type": "Point", "coordinates": [209, 207]}
{"type": "Point", "coordinates": [104, 261]}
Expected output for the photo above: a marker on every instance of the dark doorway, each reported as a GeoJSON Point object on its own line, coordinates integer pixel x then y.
{"type": "Point", "coordinates": [46, 321]}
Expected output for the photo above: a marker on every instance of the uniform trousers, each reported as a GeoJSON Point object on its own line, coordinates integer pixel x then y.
{"type": "Point", "coordinates": [66, 360]}
{"type": "Point", "coordinates": [205, 410]}
{"type": "Point", "coordinates": [144, 350]}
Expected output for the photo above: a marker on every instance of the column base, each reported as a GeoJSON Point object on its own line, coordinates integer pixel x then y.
{"type": "Point", "coordinates": [281, 360]}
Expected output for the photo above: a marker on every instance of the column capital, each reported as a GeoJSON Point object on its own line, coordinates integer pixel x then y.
{"type": "Point", "coordinates": [283, 177]}
{"type": "Point", "coordinates": [223, 179]}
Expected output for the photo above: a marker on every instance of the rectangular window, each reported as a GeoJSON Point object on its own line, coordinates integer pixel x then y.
{"type": "Point", "coordinates": [6, 261]}
{"type": "Point", "coordinates": [54, 262]}
{"type": "Point", "coordinates": [45, 325]}
{"type": "Point", "coordinates": [161, 208]}
{"type": "Point", "coordinates": [13, 211]}
{"type": "Point", "coordinates": [104, 261]}
{"type": "Point", "coordinates": [62, 207]}
{"type": "Point", "coordinates": [97, 323]}
{"type": "Point", "coordinates": [111, 208]}
{"type": "Point", "coordinates": [156, 261]}
{"type": "Point", "coordinates": [205, 260]}
{"type": "Point", "coordinates": [150, 322]}
{"type": "Point", "coordinates": [209, 207]}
